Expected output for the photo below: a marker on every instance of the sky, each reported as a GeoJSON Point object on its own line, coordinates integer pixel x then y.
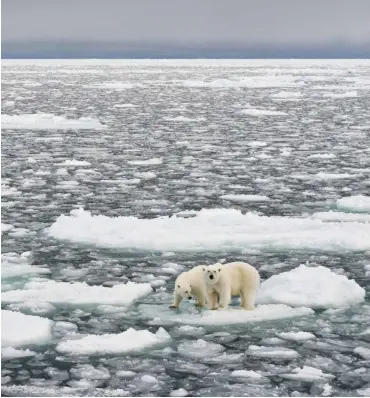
{"type": "Point", "coordinates": [145, 27]}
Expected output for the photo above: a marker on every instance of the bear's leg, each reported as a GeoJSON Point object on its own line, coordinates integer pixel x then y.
{"type": "Point", "coordinates": [212, 299]}
{"type": "Point", "coordinates": [247, 299]}
{"type": "Point", "coordinates": [201, 300]}
{"type": "Point", "coordinates": [225, 298]}
{"type": "Point", "coordinates": [176, 300]}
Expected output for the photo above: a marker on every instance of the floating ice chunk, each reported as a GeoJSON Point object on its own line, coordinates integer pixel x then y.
{"type": "Point", "coordinates": [200, 349]}
{"type": "Point", "coordinates": [184, 119]}
{"type": "Point", "coordinates": [181, 392]}
{"type": "Point", "coordinates": [211, 229]}
{"type": "Point", "coordinates": [257, 144]}
{"type": "Point", "coordinates": [63, 328]}
{"type": "Point", "coordinates": [171, 268]}
{"type": "Point", "coordinates": [129, 341]}
{"type": "Point", "coordinates": [322, 156]}
{"type": "Point", "coordinates": [126, 374]}
{"type": "Point", "coordinates": [191, 330]}
{"type": "Point", "coordinates": [363, 352]}
{"type": "Point", "coordinates": [88, 371]}
{"type": "Point", "coordinates": [75, 162]}
{"type": "Point", "coordinates": [250, 374]}
{"type": "Point", "coordinates": [46, 121]}
{"type": "Point", "coordinates": [297, 336]}
{"type": "Point", "coordinates": [307, 373]}
{"type": "Point", "coordinates": [18, 329]}
{"type": "Point", "coordinates": [6, 227]}
{"type": "Point", "coordinates": [148, 162]}
{"type": "Point", "coordinates": [342, 217]}
{"type": "Point", "coordinates": [364, 392]}
{"type": "Point", "coordinates": [245, 198]}
{"type": "Point", "coordinates": [314, 287]}
{"type": "Point", "coordinates": [334, 176]}
{"type": "Point", "coordinates": [78, 293]}
{"type": "Point", "coordinates": [115, 85]}
{"type": "Point", "coordinates": [359, 203]}
{"type": "Point", "coordinates": [272, 352]}
{"type": "Point", "coordinates": [147, 176]}
{"type": "Point", "coordinates": [232, 316]}
{"type": "Point", "coordinates": [287, 95]}
{"type": "Point", "coordinates": [35, 307]}
{"type": "Point", "coordinates": [149, 379]}
{"type": "Point", "coordinates": [10, 353]}
{"type": "Point", "coordinates": [13, 265]}
{"type": "Point", "coordinates": [127, 106]}
{"type": "Point", "coordinates": [348, 94]}
{"type": "Point", "coordinates": [261, 112]}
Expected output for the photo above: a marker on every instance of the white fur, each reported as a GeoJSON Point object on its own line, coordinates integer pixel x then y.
{"type": "Point", "coordinates": [190, 284]}
{"type": "Point", "coordinates": [232, 279]}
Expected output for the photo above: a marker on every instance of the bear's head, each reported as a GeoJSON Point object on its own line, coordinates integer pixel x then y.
{"type": "Point", "coordinates": [184, 290]}
{"type": "Point", "coordinates": [212, 273]}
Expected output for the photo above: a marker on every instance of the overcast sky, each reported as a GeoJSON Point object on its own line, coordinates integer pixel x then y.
{"type": "Point", "coordinates": [190, 22]}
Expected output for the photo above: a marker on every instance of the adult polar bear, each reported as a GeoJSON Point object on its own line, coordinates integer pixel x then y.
{"type": "Point", "coordinates": [232, 279]}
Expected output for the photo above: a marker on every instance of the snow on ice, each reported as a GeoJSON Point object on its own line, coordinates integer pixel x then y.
{"type": "Point", "coordinates": [314, 287]}
{"type": "Point", "coordinates": [130, 340]}
{"type": "Point", "coordinates": [211, 229]}
{"type": "Point", "coordinates": [359, 203]}
{"type": "Point", "coordinates": [77, 293]}
{"type": "Point", "coordinates": [18, 329]}
{"type": "Point", "coordinates": [48, 121]}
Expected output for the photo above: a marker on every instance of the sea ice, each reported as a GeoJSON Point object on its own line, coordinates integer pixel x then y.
{"type": "Point", "coordinates": [77, 293]}
{"type": "Point", "coordinates": [271, 352]}
{"type": "Point", "coordinates": [211, 229]}
{"type": "Point", "coordinates": [130, 340]}
{"type": "Point", "coordinates": [46, 121]}
{"type": "Point", "coordinates": [245, 198]}
{"type": "Point", "coordinates": [199, 349]}
{"type": "Point", "coordinates": [314, 287]}
{"type": "Point", "coordinates": [363, 352]}
{"type": "Point", "coordinates": [359, 203]}
{"type": "Point", "coordinates": [147, 162]}
{"type": "Point", "coordinates": [261, 112]}
{"type": "Point", "coordinates": [18, 329]}
{"type": "Point", "coordinates": [15, 265]}
{"type": "Point", "coordinates": [10, 353]}
{"type": "Point", "coordinates": [307, 373]}
{"type": "Point", "coordinates": [297, 336]}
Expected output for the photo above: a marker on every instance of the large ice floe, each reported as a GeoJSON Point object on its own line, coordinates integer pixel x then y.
{"type": "Point", "coordinates": [78, 293]}
{"type": "Point", "coordinates": [19, 330]}
{"type": "Point", "coordinates": [232, 316]}
{"type": "Point", "coordinates": [130, 340]}
{"type": "Point", "coordinates": [315, 287]}
{"type": "Point", "coordinates": [211, 229]}
{"type": "Point", "coordinates": [14, 265]}
{"type": "Point", "coordinates": [359, 203]}
{"type": "Point", "coordinates": [48, 121]}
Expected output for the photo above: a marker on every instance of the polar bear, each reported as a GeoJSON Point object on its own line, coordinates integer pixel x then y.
{"type": "Point", "coordinates": [189, 284]}
{"type": "Point", "coordinates": [232, 279]}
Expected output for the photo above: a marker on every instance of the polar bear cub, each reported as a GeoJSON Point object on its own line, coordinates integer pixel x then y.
{"type": "Point", "coordinates": [232, 279]}
{"type": "Point", "coordinates": [189, 284]}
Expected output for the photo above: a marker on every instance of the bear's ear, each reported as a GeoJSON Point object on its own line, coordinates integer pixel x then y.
{"type": "Point", "coordinates": [219, 270]}
{"type": "Point", "coordinates": [204, 269]}
{"type": "Point", "coordinates": [178, 286]}
{"type": "Point", "coordinates": [190, 285]}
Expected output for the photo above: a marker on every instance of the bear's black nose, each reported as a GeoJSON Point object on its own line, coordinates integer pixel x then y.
{"type": "Point", "coordinates": [211, 277]}
{"type": "Point", "coordinates": [189, 297]}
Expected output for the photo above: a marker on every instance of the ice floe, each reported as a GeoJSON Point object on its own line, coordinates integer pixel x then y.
{"type": "Point", "coordinates": [130, 340]}
{"type": "Point", "coordinates": [77, 293]}
{"type": "Point", "coordinates": [342, 217]}
{"type": "Point", "coordinates": [272, 352]}
{"type": "Point", "coordinates": [18, 329]}
{"type": "Point", "coordinates": [199, 349]}
{"type": "Point", "coordinates": [211, 229]}
{"type": "Point", "coordinates": [48, 121]}
{"type": "Point", "coordinates": [307, 373]}
{"type": "Point", "coordinates": [245, 198]}
{"type": "Point", "coordinates": [146, 162]}
{"type": "Point", "coordinates": [314, 287]}
{"type": "Point", "coordinates": [297, 336]}
{"type": "Point", "coordinates": [232, 316]}
{"type": "Point", "coordinates": [261, 112]}
{"type": "Point", "coordinates": [358, 203]}
{"type": "Point", "coordinates": [15, 265]}
{"type": "Point", "coordinates": [10, 353]}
